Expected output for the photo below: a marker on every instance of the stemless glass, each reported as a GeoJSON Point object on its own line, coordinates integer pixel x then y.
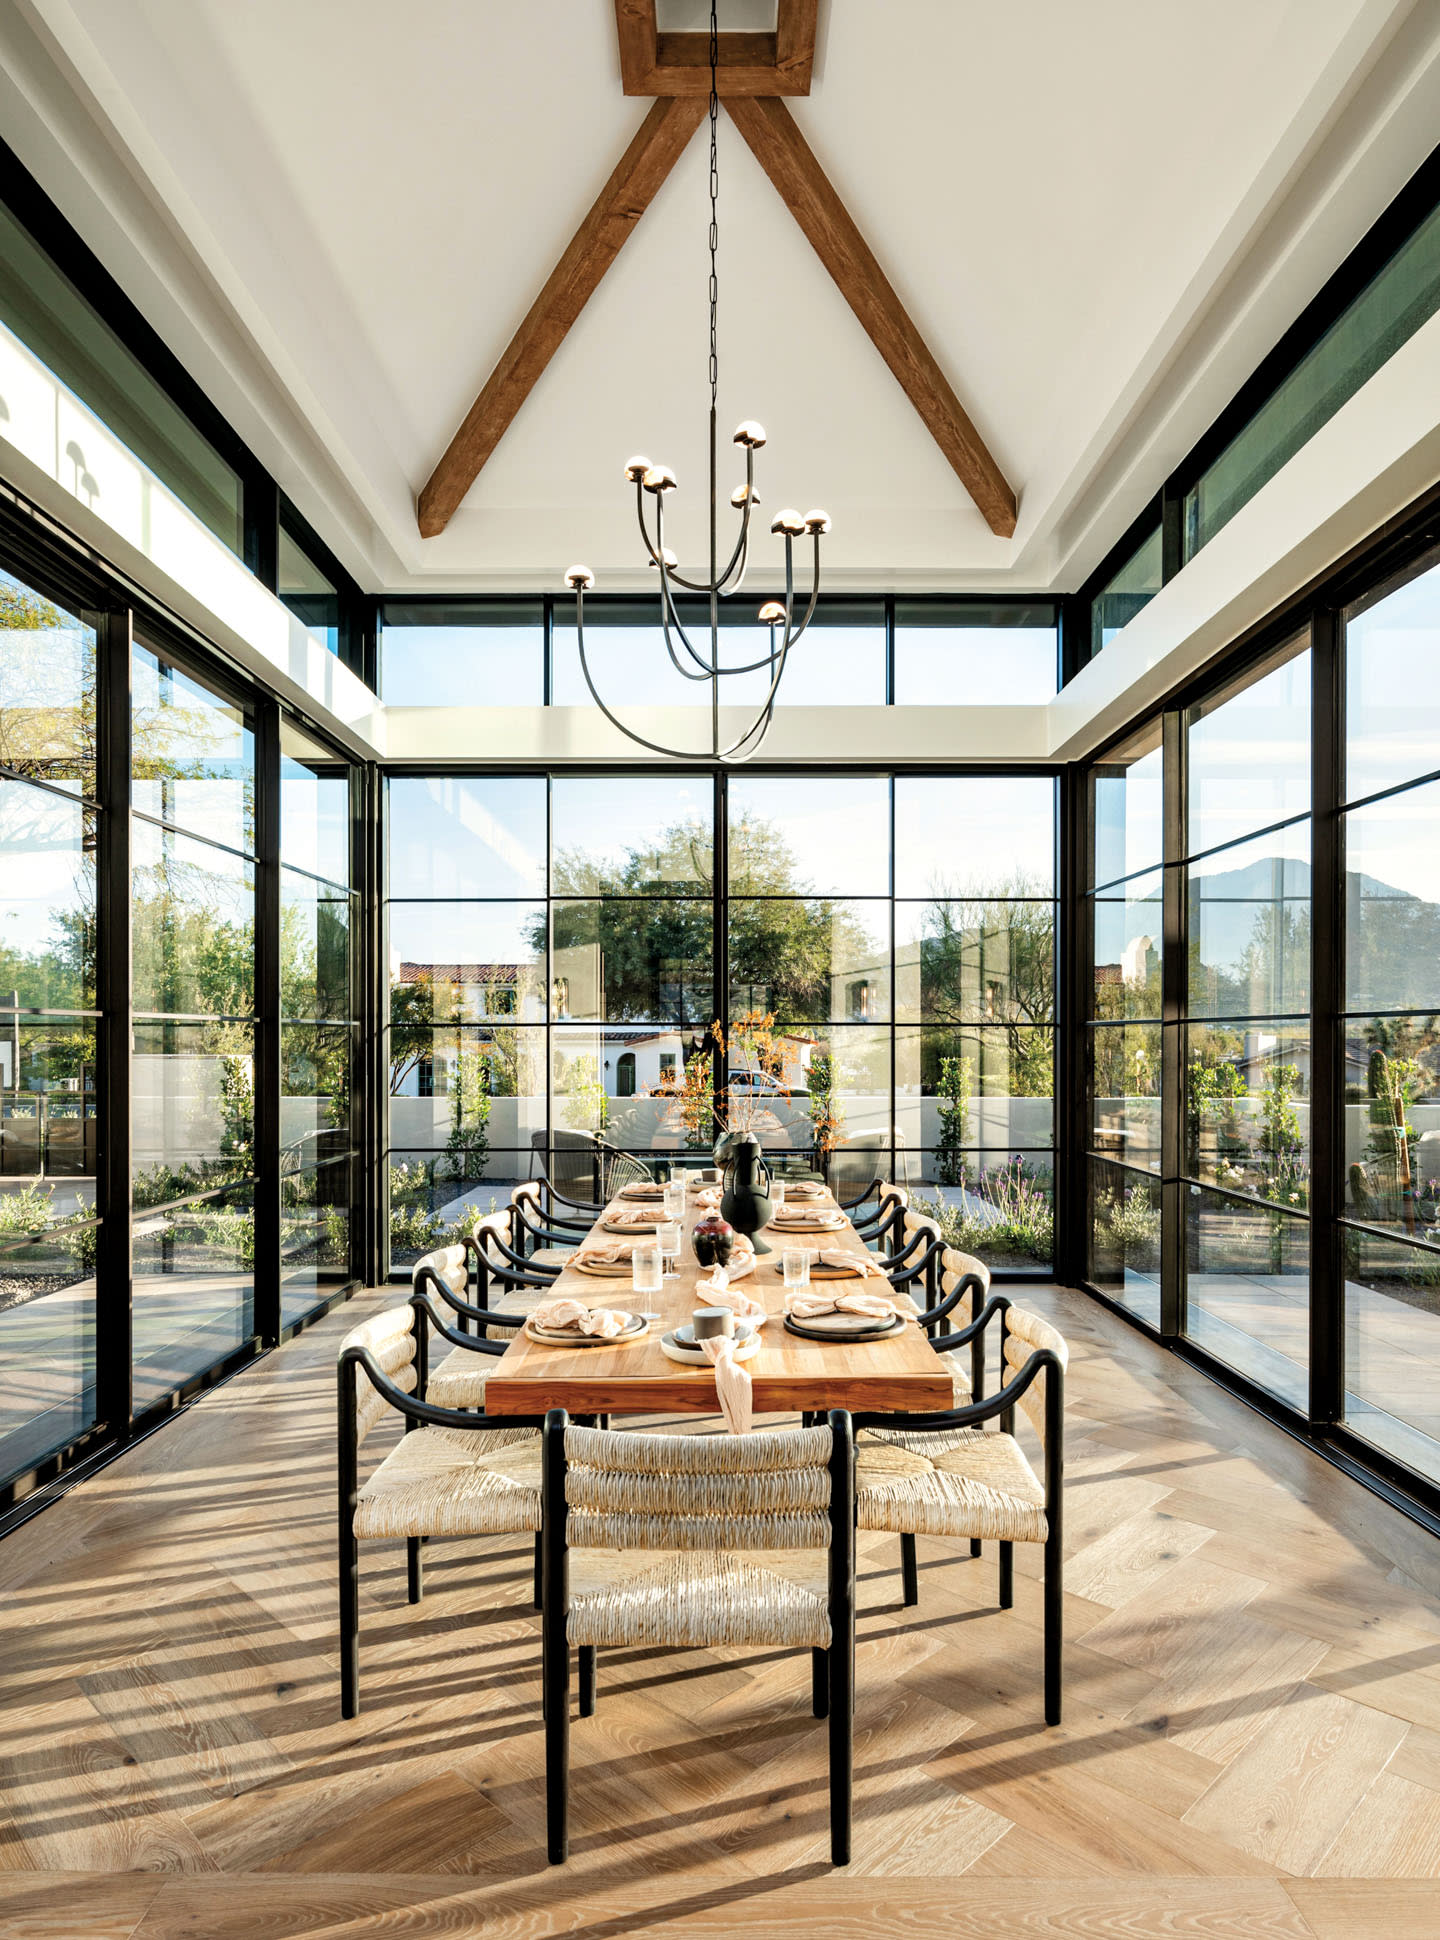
{"type": "Point", "coordinates": [777, 1194]}
{"type": "Point", "coordinates": [645, 1275]}
{"type": "Point", "coordinates": [795, 1265]}
{"type": "Point", "coordinates": [667, 1237]}
{"type": "Point", "coordinates": [675, 1199]}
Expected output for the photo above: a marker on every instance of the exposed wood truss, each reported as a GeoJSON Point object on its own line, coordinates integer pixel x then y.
{"type": "Point", "coordinates": [786, 157]}
{"type": "Point", "coordinates": [597, 242]}
{"type": "Point", "coordinates": [754, 64]}
{"type": "Point", "coordinates": [754, 72]}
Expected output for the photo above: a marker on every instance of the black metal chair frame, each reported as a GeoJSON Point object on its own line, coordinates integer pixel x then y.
{"type": "Point", "coordinates": [1001, 1405]}
{"type": "Point", "coordinates": [603, 1157]}
{"type": "Point", "coordinates": [546, 1225]}
{"type": "Point", "coordinates": [417, 1413]}
{"type": "Point", "coordinates": [832, 1670]}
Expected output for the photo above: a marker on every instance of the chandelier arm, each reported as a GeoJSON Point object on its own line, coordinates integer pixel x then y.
{"type": "Point", "coordinates": [669, 616]}
{"type": "Point", "coordinates": [761, 723]}
{"type": "Point", "coordinates": [675, 754]}
{"type": "Point", "coordinates": [814, 592]}
{"type": "Point", "coordinates": [690, 585]}
{"type": "Point", "coordinates": [737, 558]}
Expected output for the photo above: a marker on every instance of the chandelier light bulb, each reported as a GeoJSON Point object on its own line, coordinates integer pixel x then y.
{"type": "Point", "coordinates": [750, 434]}
{"type": "Point", "coordinates": [817, 522]}
{"type": "Point", "coordinates": [742, 493]}
{"type": "Point", "coordinates": [579, 578]}
{"type": "Point", "coordinates": [636, 468]}
{"type": "Point", "coordinates": [772, 613]}
{"type": "Point", "coordinates": [668, 556]}
{"type": "Point", "coordinates": [659, 479]}
{"type": "Point", "coordinates": [789, 522]}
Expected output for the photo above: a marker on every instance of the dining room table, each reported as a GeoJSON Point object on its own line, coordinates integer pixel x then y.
{"type": "Point", "coordinates": [790, 1374]}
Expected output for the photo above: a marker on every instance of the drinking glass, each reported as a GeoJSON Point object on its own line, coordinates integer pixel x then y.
{"type": "Point", "coordinates": [667, 1236]}
{"type": "Point", "coordinates": [645, 1275]}
{"type": "Point", "coordinates": [777, 1194]}
{"type": "Point", "coordinates": [675, 1199]}
{"type": "Point", "coordinates": [795, 1265]}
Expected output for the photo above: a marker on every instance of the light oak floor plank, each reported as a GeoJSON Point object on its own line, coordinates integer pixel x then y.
{"type": "Point", "coordinates": [1250, 1673]}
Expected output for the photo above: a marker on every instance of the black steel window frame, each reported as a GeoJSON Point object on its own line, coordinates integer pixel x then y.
{"type": "Point", "coordinates": [34, 551]}
{"type": "Point", "coordinates": [1395, 547]}
{"type": "Point", "coordinates": [1165, 511]}
{"type": "Point", "coordinates": [721, 898]}
{"type": "Point", "coordinates": [557, 610]}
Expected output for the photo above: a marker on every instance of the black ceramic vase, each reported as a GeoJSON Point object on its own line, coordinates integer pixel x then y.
{"type": "Point", "coordinates": [745, 1201]}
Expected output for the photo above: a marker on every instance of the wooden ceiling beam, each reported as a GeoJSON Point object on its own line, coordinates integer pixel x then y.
{"type": "Point", "coordinates": [652, 63]}
{"type": "Point", "coordinates": [786, 157]}
{"type": "Point", "coordinates": [661, 140]}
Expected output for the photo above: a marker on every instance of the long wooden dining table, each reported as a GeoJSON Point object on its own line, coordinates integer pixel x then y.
{"type": "Point", "coordinates": [789, 1374]}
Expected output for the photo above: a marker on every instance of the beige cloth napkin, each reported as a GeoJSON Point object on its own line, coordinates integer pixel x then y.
{"type": "Point", "coordinates": [860, 1264]}
{"type": "Point", "coordinates": [559, 1316]}
{"type": "Point", "coordinates": [733, 1387]}
{"type": "Point", "coordinates": [810, 1306]}
{"type": "Point", "coordinates": [807, 1216]}
{"type": "Point", "coordinates": [716, 1291]}
{"type": "Point", "coordinates": [742, 1261]}
{"type": "Point", "coordinates": [601, 1253]}
{"type": "Point", "coordinates": [642, 1190]}
{"type": "Point", "coordinates": [634, 1216]}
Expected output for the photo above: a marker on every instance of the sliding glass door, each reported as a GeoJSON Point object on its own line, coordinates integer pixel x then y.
{"type": "Point", "coordinates": [50, 1213]}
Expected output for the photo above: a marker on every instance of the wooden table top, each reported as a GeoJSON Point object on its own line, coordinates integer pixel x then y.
{"type": "Point", "coordinates": [789, 1374]}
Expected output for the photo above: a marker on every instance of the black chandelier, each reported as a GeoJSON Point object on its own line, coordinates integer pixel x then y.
{"type": "Point", "coordinates": [657, 480]}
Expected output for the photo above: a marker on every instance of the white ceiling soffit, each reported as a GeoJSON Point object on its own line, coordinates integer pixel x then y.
{"type": "Point", "coordinates": [1099, 217]}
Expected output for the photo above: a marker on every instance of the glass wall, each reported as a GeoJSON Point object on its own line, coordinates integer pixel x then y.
{"type": "Point", "coordinates": [1388, 311]}
{"type": "Point", "coordinates": [193, 1072]}
{"type": "Point", "coordinates": [43, 316]}
{"type": "Point", "coordinates": [1125, 921]}
{"type": "Point", "coordinates": [1005, 655]}
{"type": "Point", "coordinates": [310, 594]}
{"type": "Point", "coordinates": [839, 660]}
{"type": "Point", "coordinates": [1390, 1029]}
{"type": "Point", "coordinates": [1246, 1157]}
{"type": "Point", "coordinates": [1127, 592]}
{"type": "Point", "coordinates": [319, 1022]}
{"type": "Point", "coordinates": [49, 829]}
{"type": "Point", "coordinates": [553, 966]}
{"type": "Point", "coordinates": [462, 653]}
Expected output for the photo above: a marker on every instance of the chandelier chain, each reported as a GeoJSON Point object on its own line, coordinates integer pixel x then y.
{"type": "Point", "coordinates": [714, 199]}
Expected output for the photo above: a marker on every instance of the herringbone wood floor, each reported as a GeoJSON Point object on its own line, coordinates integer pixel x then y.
{"type": "Point", "coordinates": [1252, 1744]}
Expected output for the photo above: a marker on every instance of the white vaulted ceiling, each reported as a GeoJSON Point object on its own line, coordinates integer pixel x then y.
{"type": "Point", "coordinates": [1099, 216]}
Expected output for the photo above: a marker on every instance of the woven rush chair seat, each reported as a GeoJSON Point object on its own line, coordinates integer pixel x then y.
{"type": "Point", "coordinates": [951, 1473]}
{"type": "Point", "coordinates": [683, 1542]}
{"type": "Point", "coordinates": [452, 1473]}
{"type": "Point", "coordinates": [448, 1482]}
{"type": "Point", "coordinates": [698, 1599]}
{"type": "Point", "coordinates": [962, 1482]}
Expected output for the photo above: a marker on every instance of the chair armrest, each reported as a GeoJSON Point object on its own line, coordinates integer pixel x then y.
{"type": "Point", "coordinates": [944, 1343]}
{"type": "Point", "coordinates": [491, 1316]}
{"type": "Point", "coordinates": [476, 1343]}
{"type": "Point", "coordinates": [971, 1281]}
{"type": "Point", "coordinates": [1004, 1398]}
{"type": "Point", "coordinates": [423, 1411]}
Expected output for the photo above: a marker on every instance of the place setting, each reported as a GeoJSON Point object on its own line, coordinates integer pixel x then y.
{"type": "Point", "coordinates": [571, 1323]}
{"type": "Point", "coordinates": [847, 1313]}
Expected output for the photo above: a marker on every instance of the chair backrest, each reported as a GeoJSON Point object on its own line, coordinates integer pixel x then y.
{"type": "Point", "coordinates": [627, 1490]}
{"type": "Point", "coordinates": [574, 1164]}
{"type": "Point", "coordinates": [954, 1266]}
{"type": "Point", "coordinates": [390, 1337]}
{"type": "Point", "coordinates": [856, 1167]}
{"type": "Point", "coordinates": [1024, 1333]}
{"type": "Point", "coordinates": [620, 1169]}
